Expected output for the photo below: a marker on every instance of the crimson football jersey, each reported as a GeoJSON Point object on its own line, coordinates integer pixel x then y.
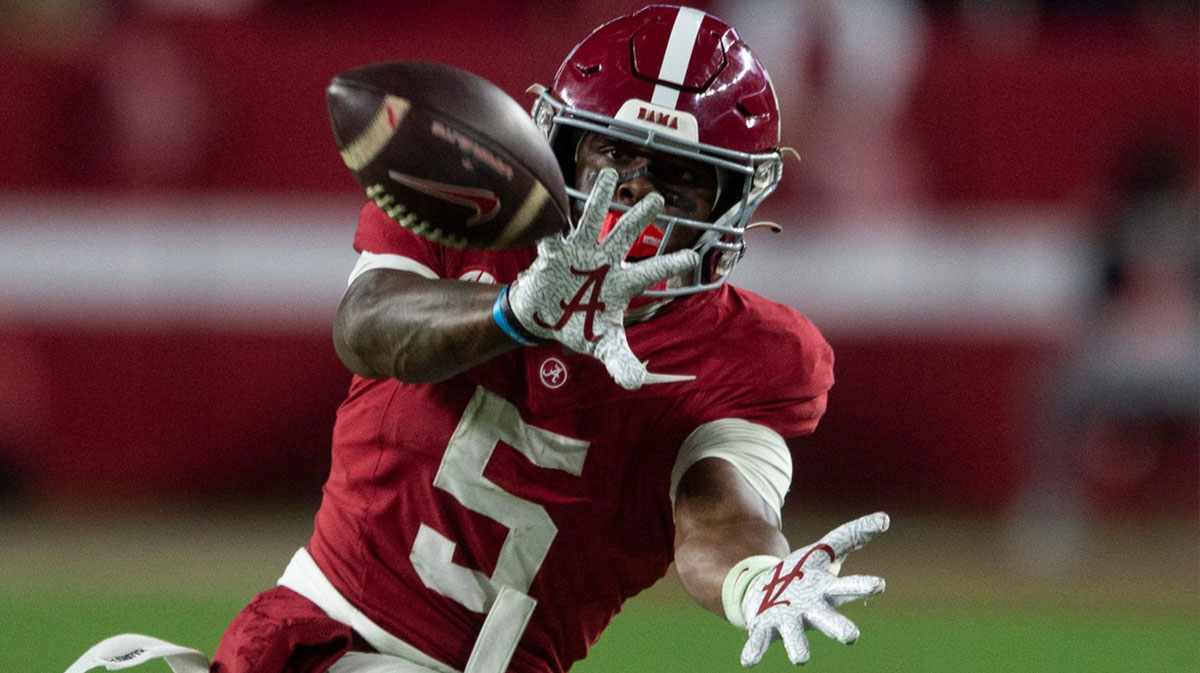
{"type": "Point", "coordinates": [535, 470]}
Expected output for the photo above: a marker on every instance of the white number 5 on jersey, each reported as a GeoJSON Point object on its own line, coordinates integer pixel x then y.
{"type": "Point", "coordinates": [487, 420]}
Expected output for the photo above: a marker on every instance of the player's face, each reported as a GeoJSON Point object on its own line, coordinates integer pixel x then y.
{"type": "Point", "coordinates": [688, 188]}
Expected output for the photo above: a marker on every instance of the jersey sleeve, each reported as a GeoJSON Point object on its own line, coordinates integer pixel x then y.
{"type": "Point", "coordinates": [386, 244]}
{"type": "Point", "coordinates": [770, 381]}
{"type": "Point", "coordinates": [779, 376]}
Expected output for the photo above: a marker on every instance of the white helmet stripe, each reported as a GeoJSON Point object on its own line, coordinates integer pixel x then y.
{"type": "Point", "coordinates": [678, 56]}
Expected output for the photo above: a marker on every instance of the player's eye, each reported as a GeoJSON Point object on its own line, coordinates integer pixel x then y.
{"type": "Point", "coordinates": [615, 153]}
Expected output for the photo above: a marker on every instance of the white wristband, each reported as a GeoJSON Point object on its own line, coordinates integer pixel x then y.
{"type": "Point", "coordinates": [738, 581]}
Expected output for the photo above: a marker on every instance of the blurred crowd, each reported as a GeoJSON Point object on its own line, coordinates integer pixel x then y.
{"type": "Point", "coordinates": [140, 105]}
{"type": "Point", "coordinates": [1117, 412]}
{"type": "Point", "coordinates": [876, 96]}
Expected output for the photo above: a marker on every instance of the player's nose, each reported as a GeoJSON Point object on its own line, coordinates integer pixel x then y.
{"type": "Point", "coordinates": [631, 190]}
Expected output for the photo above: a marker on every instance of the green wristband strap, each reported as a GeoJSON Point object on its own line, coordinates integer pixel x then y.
{"type": "Point", "coordinates": [737, 583]}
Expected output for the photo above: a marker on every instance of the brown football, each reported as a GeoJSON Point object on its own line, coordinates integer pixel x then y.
{"type": "Point", "coordinates": [447, 154]}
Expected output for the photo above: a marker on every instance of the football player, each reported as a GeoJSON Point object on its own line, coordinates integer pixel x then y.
{"type": "Point", "coordinates": [517, 457]}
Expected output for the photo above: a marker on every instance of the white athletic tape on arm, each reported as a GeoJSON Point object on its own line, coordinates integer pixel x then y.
{"type": "Point", "coordinates": [131, 649]}
{"type": "Point", "coordinates": [370, 260]}
{"type": "Point", "coordinates": [757, 452]}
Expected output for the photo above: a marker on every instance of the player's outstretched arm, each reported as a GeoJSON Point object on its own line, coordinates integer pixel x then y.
{"type": "Point", "coordinates": [419, 330]}
{"type": "Point", "coordinates": [734, 561]}
{"type": "Point", "coordinates": [719, 520]}
{"type": "Point", "coordinates": [402, 325]}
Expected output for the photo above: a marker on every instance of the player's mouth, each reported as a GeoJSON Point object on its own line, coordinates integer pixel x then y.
{"type": "Point", "coordinates": [647, 242]}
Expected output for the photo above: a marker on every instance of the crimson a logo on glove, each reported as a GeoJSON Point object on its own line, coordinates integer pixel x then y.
{"type": "Point", "coordinates": [593, 284]}
{"type": "Point", "coordinates": [774, 589]}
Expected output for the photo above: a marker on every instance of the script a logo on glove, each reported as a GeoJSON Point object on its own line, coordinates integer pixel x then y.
{"type": "Point", "coordinates": [594, 282]}
{"type": "Point", "coordinates": [774, 589]}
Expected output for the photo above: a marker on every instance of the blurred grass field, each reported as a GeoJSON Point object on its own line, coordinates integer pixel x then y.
{"type": "Point", "coordinates": [956, 599]}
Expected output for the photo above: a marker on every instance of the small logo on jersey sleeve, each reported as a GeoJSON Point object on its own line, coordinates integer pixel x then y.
{"type": "Point", "coordinates": [553, 373]}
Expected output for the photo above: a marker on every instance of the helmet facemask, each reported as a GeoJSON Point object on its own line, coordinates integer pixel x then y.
{"type": "Point", "coordinates": [745, 180]}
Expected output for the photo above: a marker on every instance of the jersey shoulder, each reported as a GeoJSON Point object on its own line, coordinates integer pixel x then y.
{"type": "Point", "coordinates": [755, 359]}
{"type": "Point", "coordinates": [379, 234]}
{"type": "Point", "coordinates": [769, 342]}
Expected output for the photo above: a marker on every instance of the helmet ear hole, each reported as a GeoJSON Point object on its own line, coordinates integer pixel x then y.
{"type": "Point", "coordinates": [564, 146]}
{"type": "Point", "coordinates": [732, 185]}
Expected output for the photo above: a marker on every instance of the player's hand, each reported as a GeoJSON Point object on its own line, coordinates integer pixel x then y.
{"type": "Point", "coordinates": [577, 290]}
{"type": "Point", "coordinates": [802, 591]}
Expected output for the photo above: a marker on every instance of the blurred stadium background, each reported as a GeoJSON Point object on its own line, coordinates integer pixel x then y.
{"type": "Point", "coordinates": [994, 222]}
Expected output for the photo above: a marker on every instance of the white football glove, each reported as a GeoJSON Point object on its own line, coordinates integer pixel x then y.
{"type": "Point", "coordinates": [577, 290]}
{"type": "Point", "coordinates": [802, 591]}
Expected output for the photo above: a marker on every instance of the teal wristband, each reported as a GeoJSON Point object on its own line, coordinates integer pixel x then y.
{"type": "Point", "coordinates": [503, 315]}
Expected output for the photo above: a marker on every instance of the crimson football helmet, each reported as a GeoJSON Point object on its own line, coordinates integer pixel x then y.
{"type": "Point", "coordinates": [677, 80]}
